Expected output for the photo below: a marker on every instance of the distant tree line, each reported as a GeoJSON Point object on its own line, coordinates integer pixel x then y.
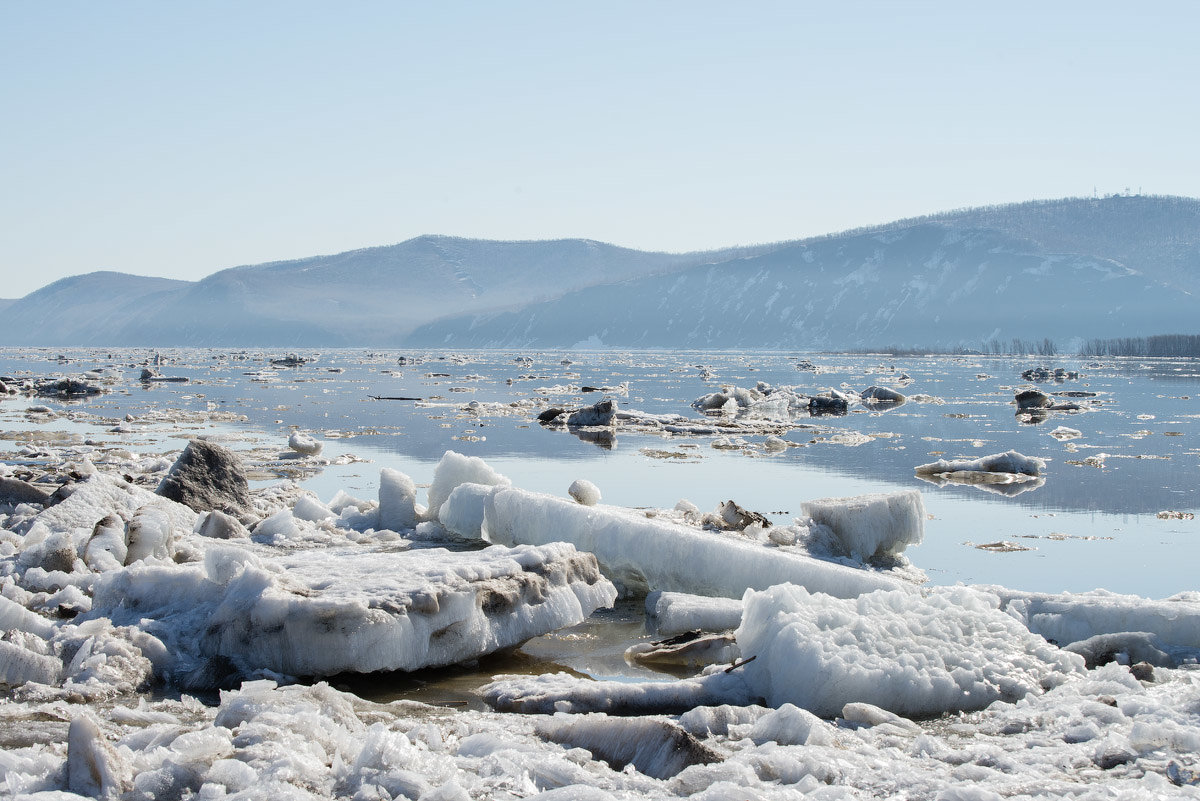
{"type": "Point", "coordinates": [1161, 345]}
{"type": "Point", "coordinates": [1166, 345]}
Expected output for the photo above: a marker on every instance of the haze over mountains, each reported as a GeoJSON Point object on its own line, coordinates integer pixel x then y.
{"type": "Point", "coordinates": [1066, 270]}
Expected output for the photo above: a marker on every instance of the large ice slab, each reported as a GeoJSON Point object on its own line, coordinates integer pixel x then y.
{"type": "Point", "coordinates": [322, 612]}
{"type": "Point", "coordinates": [643, 553]}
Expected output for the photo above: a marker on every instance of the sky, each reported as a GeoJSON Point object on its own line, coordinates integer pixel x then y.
{"type": "Point", "coordinates": [177, 139]}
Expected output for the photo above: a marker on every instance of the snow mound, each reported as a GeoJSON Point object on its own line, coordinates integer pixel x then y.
{"type": "Point", "coordinates": [953, 650]}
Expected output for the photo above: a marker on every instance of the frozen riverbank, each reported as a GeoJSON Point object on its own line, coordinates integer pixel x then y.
{"type": "Point", "coordinates": [897, 688]}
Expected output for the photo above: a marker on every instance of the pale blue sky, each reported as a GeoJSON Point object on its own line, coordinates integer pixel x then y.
{"type": "Point", "coordinates": [176, 139]}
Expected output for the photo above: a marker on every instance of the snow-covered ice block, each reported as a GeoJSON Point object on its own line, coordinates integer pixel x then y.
{"type": "Point", "coordinates": [955, 649]}
{"type": "Point", "coordinates": [872, 526]}
{"type": "Point", "coordinates": [455, 469]}
{"type": "Point", "coordinates": [677, 612]}
{"type": "Point", "coordinates": [333, 610]}
{"type": "Point", "coordinates": [643, 554]}
{"type": "Point", "coordinates": [1007, 462]}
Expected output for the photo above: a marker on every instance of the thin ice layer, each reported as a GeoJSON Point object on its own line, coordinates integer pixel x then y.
{"type": "Point", "coordinates": [643, 553]}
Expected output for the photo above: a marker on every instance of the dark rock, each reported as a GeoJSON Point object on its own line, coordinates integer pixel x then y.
{"type": "Point", "coordinates": [14, 491]}
{"type": "Point", "coordinates": [820, 405]}
{"type": "Point", "coordinates": [66, 388]}
{"type": "Point", "coordinates": [1110, 758]}
{"type": "Point", "coordinates": [206, 477]}
{"type": "Point", "coordinates": [1033, 399]}
{"type": "Point", "coordinates": [738, 518]}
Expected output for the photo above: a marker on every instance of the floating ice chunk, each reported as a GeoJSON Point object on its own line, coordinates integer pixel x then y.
{"type": "Point", "coordinates": [642, 553]}
{"type": "Point", "coordinates": [676, 612]}
{"type": "Point", "coordinates": [1007, 462]}
{"type": "Point", "coordinates": [655, 747]}
{"type": "Point", "coordinates": [398, 509]}
{"type": "Point", "coordinates": [601, 413]}
{"type": "Point", "coordinates": [584, 492]}
{"type": "Point", "coordinates": [882, 396]}
{"type": "Point", "coordinates": [872, 526]}
{"type": "Point", "coordinates": [304, 444]}
{"type": "Point", "coordinates": [462, 512]}
{"type": "Point", "coordinates": [912, 655]}
{"type": "Point", "coordinates": [1062, 433]}
{"type": "Point", "coordinates": [455, 469]}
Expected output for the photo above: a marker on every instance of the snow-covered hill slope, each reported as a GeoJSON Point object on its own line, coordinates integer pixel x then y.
{"type": "Point", "coordinates": [1064, 269]}
{"type": "Point", "coordinates": [925, 285]}
{"type": "Point", "coordinates": [73, 310]}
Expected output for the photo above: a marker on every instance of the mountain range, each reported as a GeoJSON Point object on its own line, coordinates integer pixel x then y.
{"type": "Point", "coordinates": [1065, 269]}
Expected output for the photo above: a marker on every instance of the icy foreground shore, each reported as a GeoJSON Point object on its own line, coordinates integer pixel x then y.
{"type": "Point", "coordinates": [109, 590]}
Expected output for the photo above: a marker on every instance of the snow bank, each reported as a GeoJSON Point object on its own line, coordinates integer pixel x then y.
{"type": "Point", "coordinates": [912, 655]}
{"type": "Point", "coordinates": [872, 526]}
{"type": "Point", "coordinates": [642, 553]}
